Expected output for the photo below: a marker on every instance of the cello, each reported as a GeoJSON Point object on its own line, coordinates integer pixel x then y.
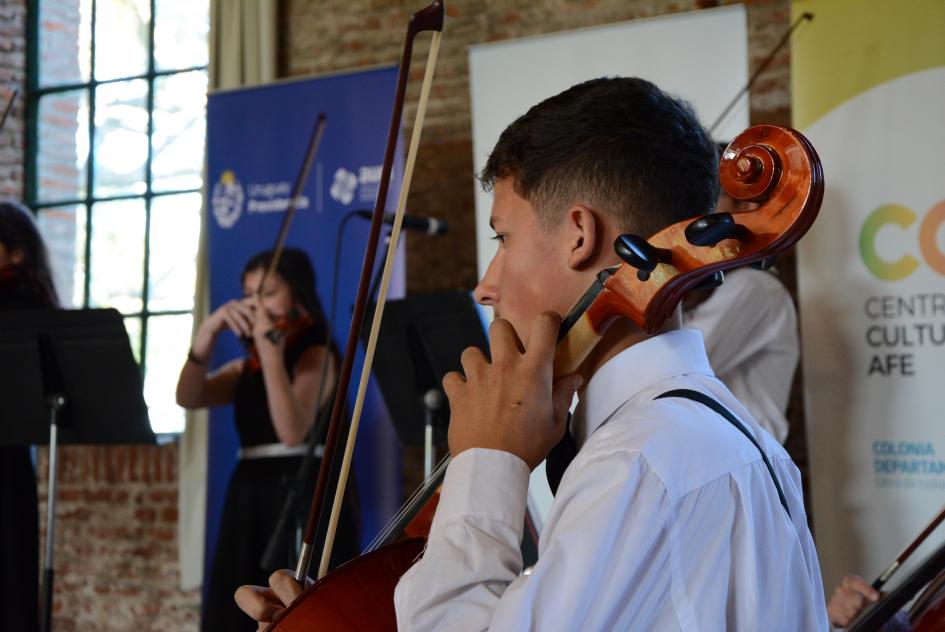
{"type": "Point", "coordinates": [774, 166]}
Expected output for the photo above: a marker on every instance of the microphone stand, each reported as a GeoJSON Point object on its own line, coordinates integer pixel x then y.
{"type": "Point", "coordinates": [307, 467]}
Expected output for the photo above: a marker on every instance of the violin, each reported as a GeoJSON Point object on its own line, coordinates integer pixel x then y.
{"type": "Point", "coordinates": [773, 166]}
{"type": "Point", "coordinates": [289, 327]}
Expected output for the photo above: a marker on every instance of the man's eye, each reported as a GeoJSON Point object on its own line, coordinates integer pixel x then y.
{"type": "Point", "coordinates": [499, 238]}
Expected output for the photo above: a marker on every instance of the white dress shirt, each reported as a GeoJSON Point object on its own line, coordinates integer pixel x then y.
{"type": "Point", "coordinates": [667, 519]}
{"type": "Point", "coordinates": [750, 330]}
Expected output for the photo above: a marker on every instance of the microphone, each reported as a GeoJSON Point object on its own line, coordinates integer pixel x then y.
{"type": "Point", "coordinates": [433, 399]}
{"type": "Point", "coordinates": [428, 225]}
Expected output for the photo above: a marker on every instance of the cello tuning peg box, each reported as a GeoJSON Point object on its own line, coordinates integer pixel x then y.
{"type": "Point", "coordinates": [710, 229]}
{"type": "Point", "coordinates": [640, 254]}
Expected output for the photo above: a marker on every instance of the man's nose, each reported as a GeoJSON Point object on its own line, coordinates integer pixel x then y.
{"type": "Point", "coordinates": [484, 294]}
{"type": "Point", "coordinates": [487, 291]}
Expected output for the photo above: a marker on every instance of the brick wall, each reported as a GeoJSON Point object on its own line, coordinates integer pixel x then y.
{"type": "Point", "coordinates": [116, 540]}
{"type": "Point", "coordinates": [336, 34]}
{"type": "Point", "coordinates": [12, 73]}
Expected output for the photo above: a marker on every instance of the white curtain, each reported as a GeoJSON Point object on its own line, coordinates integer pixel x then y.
{"type": "Point", "coordinates": [243, 51]}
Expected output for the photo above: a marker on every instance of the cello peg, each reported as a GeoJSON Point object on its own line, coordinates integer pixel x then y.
{"type": "Point", "coordinates": [712, 281]}
{"type": "Point", "coordinates": [639, 253]}
{"type": "Point", "coordinates": [765, 264]}
{"type": "Point", "coordinates": [710, 229]}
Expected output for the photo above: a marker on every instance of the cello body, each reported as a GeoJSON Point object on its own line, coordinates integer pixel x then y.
{"type": "Point", "coordinates": [357, 595]}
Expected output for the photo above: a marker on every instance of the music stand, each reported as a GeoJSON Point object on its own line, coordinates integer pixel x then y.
{"type": "Point", "coordinates": [68, 377]}
{"type": "Point", "coordinates": [421, 340]}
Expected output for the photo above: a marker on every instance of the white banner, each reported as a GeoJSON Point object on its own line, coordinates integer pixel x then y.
{"type": "Point", "coordinates": [872, 278]}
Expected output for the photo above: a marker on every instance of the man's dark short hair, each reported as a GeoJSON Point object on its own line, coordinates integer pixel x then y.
{"type": "Point", "coordinates": [619, 145]}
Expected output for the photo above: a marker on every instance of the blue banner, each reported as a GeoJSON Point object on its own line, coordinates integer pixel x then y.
{"type": "Point", "coordinates": [256, 141]}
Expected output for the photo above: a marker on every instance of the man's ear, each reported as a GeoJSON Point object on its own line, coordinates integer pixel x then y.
{"type": "Point", "coordinates": [584, 236]}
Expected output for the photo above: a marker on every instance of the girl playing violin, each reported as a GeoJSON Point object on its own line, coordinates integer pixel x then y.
{"type": "Point", "coordinates": [25, 283]}
{"type": "Point", "coordinates": [274, 392]}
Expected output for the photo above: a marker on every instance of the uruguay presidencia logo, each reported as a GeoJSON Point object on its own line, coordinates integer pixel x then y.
{"type": "Point", "coordinates": [227, 200]}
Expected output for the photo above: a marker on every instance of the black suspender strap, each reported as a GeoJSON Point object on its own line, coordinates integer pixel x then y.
{"type": "Point", "coordinates": [705, 400]}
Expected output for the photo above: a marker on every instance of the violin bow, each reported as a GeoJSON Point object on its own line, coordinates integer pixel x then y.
{"type": "Point", "coordinates": [6, 110]}
{"type": "Point", "coordinates": [314, 142]}
{"type": "Point", "coordinates": [887, 574]}
{"type": "Point", "coordinates": [806, 16]}
{"type": "Point", "coordinates": [428, 19]}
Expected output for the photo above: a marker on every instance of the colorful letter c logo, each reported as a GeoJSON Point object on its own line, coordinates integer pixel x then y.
{"type": "Point", "coordinates": [928, 238]}
{"type": "Point", "coordinates": [882, 269]}
{"type": "Point", "coordinates": [906, 264]}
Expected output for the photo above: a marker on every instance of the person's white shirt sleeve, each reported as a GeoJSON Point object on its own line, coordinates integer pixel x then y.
{"type": "Point", "coordinates": [470, 575]}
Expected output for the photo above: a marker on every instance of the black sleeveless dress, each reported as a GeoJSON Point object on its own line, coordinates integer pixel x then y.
{"type": "Point", "coordinates": [255, 499]}
{"type": "Point", "coordinates": [19, 515]}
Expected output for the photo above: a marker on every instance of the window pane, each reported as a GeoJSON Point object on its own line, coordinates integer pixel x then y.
{"type": "Point", "coordinates": [180, 34]}
{"type": "Point", "coordinates": [121, 38]}
{"type": "Point", "coordinates": [63, 146]}
{"type": "Point", "coordinates": [168, 341]}
{"type": "Point", "coordinates": [117, 255]}
{"type": "Point", "coordinates": [180, 103]}
{"type": "Point", "coordinates": [63, 230]}
{"type": "Point", "coordinates": [175, 233]}
{"type": "Point", "coordinates": [133, 327]}
{"type": "Point", "coordinates": [65, 33]}
{"type": "Point", "coordinates": [121, 138]}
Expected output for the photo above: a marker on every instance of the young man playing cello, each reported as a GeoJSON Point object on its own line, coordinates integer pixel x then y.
{"type": "Point", "coordinates": [668, 517]}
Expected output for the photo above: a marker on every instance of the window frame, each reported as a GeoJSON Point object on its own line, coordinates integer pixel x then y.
{"type": "Point", "coordinates": [35, 93]}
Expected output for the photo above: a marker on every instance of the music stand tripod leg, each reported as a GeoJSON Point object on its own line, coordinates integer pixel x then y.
{"type": "Point", "coordinates": [56, 403]}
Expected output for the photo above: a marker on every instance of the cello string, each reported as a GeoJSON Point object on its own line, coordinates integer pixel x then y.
{"type": "Point", "coordinates": [409, 505]}
{"type": "Point", "coordinates": [382, 298]}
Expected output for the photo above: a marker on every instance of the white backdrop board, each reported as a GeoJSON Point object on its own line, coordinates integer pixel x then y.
{"type": "Point", "coordinates": [701, 56]}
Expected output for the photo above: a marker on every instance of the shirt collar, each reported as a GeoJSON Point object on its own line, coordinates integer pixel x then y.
{"type": "Point", "coordinates": [634, 369]}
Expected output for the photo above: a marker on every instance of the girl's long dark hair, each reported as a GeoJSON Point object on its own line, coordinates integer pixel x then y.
{"type": "Point", "coordinates": [18, 231]}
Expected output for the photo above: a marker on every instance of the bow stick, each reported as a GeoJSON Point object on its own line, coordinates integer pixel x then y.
{"type": "Point", "coordinates": [761, 68]}
{"type": "Point", "coordinates": [6, 110]}
{"type": "Point", "coordinates": [429, 19]}
{"type": "Point", "coordinates": [887, 574]}
{"type": "Point", "coordinates": [381, 299]}
{"type": "Point", "coordinates": [316, 139]}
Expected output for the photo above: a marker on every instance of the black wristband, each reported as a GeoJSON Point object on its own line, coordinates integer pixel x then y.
{"type": "Point", "coordinates": [192, 357]}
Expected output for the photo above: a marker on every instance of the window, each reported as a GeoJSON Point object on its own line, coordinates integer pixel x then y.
{"type": "Point", "coordinates": [114, 170]}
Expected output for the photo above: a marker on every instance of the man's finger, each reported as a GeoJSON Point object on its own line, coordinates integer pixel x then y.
{"type": "Point", "coordinates": [284, 585]}
{"type": "Point", "coordinates": [473, 359]}
{"type": "Point", "coordinates": [861, 586]}
{"type": "Point", "coordinates": [452, 383]}
{"type": "Point", "coordinates": [543, 337]}
{"type": "Point", "coordinates": [259, 603]}
{"type": "Point", "coordinates": [504, 343]}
